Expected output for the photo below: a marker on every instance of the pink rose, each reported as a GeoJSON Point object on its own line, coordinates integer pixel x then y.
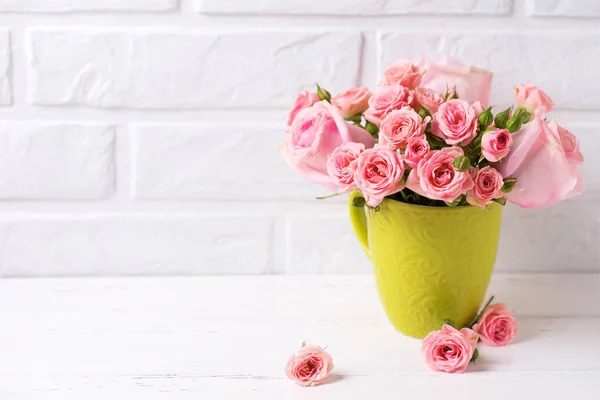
{"type": "Point", "coordinates": [495, 144]}
{"type": "Point", "coordinates": [402, 72]}
{"type": "Point", "coordinates": [455, 122]}
{"type": "Point", "coordinates": [304, 100]}
{"type": "Point", "coordinates": [378, 173]}
{"type": "Point", "coordinates": [450, 350]}
{"type": "Point", "coordinates": [315, 133]}
{"type": "Point", "coordinates": [546, 173]}
{"type": "Point", "coordinates": [399, 126]}
{"type": "Point", "coordinates": [497, 326]}
{"type": "Point", "coordinates": [472, 84]}
{"type": "Point", "coordinates": [388, 99]}
{"type": "Point", "coordinates": [309, 366]}
{"type": "Point", "coordinates": [532, 97]}
{"type": "Point", "coordinates": [341, 165]}
{"type": "Point", "coordinates": [487, 186]}
{"type": "Point", "coordinates": [569, 144]}
{"type": "Point", "coordinates": [416, 149]}
{"type": "Point", "coordinates": [428, 98]}
{"type": "Point", "coordinates": [435, 176]}
{"type": "Point", "coordinates": [353, 101]}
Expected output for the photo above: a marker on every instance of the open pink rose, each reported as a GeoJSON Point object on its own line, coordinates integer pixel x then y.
{"type": "Point", "coordinates": [304, 100]}
{"type": "Point", "coordinates": [546, 172]}
{"type": "Point", "coordinates": [416, 149]}
{"type": "Point", "coordinates": [402, 72]}
{"type": "Point", "coordinates": [496, 144]}
{"type": "Point", "coordinates": [487, 186]}
{"type": "Point", "coordinates": [456, 122]}
{"type": "Point", "coordinates": [309, 366]}
{"type": "Point", "coordinates": [341, 165]}
{"type": "Point", "coordinates": [388, 99]}
{"type": "Point", "coordinates": [399, 126]}
{"type": "Point", "coordinates": [315, 133]}
{"type": "Point", "coordinates": [353, 101]}
{"type": "Point", "coordinates": [450, 350]}
{"type": "Point", "coordinates": [378, 174]}
{"type": "Point", "coordinates": [497, 326]}
{"type": "Point", "coordinates": [532, 97]}
{"type": "Point", "coordinates": [428, 98]}
{"type": "Point", "coordinates": [472, 84]}
{"type": "Point", "coordinates": [435, 176]}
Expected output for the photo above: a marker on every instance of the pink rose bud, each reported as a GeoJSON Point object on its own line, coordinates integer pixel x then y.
{"type": "Point", "coordinates": [532, 97]}
{"type": "Point", "coordinates": [487, 186]}
{"type": "Point", "coordinates": [450, 350]}
{"type": "Point", "coordinates": [341, 165]}
{"type": "Point", "coordinates": [497, 326]}
{"type": "Point", "coordinates": [416, 149]}
{"type": "Point", "coordinates": [399, 126]}
{"type": "Point", "coordinates": [428, 98]}
{"type": "Point", "coordinates": [309, 366]}
{"type": "Point", "coordinates": [378, 174]}
{"type": "Point", "coordinates": [402, 72]}
{"type": "Point", "coordinates": [456, 122]}
{"type": "Point", "coordinates": [388, 99]}
{"type": "Point", "coordinates": [495, 145]}
{"type": "Point", "coordinates": [304, 100]}
{"type": "Point", "coordinates": [352, 102]}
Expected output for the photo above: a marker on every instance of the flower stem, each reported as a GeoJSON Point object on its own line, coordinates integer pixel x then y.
{"type": "Point", "coordinates": [476, 318]}
{"type": "Point", "coordinates": [327, 197]}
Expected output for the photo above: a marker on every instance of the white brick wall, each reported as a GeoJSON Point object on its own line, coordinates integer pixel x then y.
{"type": "Point", "coordinates": [141, 136]}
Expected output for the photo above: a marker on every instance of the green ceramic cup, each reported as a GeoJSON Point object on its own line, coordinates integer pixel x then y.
{"type": "Point", "coordinates": [431, 263]}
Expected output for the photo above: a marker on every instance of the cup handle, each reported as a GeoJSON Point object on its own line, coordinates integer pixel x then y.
{"type": "Point", "coordinates": [359, 221]}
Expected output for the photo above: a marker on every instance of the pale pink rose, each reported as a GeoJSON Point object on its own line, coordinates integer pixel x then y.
{"type": "Point", "coordinates": [496, 144]}
{"type": "Point", "coordinates": [399, 126]}
{"type": "Point", "coordinates": [304, 100]}
{"type": "Point", "coordinates": [378, 174]}
{"type": "Point", "coordinates": [435, 176]}
{"type": "Point", "coordinates": [487, 186]}
{"type": "Point", "coordinates": [402, 72]}
{"type": "Point", "coordinates": [456, 122]}
{"type": "Point", "coordinates": [497, 326]}
{"type": "Point", "coordinates": [546, 173]}
{"type": "Point", "coordinates": [472, 84]}
{"type": "Point", "coordinates": [532, 97]}
{"type": "Point", "coordinates": [388, 99]}
{"type": "Point", "coordinates": [428, 98]}
{"type": "Point", "coordinates": [450, 350]}
{"type": "Point", "coordinates": [309, 366]}
{"type": "Point", "coordinates": [416, 149]}
{"type": "Point", "coordinates": [341, 165]}
{"type": "Point", "coordinates": [315, 133]}
{"type": "Point", "coordinates": [569, 144]}
{"type": "Point", "coordinates": [353, 101]}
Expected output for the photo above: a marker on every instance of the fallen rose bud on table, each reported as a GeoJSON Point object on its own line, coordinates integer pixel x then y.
{"type": "Point", "coordinates": [309, 366]}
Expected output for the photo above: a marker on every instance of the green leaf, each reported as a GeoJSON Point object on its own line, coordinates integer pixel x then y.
{"type": "Point", "coordinates": [405, 176]}
{"type": "Point", "coordinates": [462, 163]}
{"type": "Point", "coordinates": [450, 321]}
{"type": "Point", "coordinates": [304, 343]}
{"type": "Point", "coordinates": [372, 129]}
{"type": "Point", "coordinates": [525, 115]}
{"type": "Point", "coordinates": [486, 118]}
{"type": "Point", "coordinates": [501, 201]}
{"type": "Point", "coordinates": [359, 202]}
{"type": "Point", "coordinates": [323, 94]}
{"type": "Point", "coordinates": [355, 119]}
{"type": "Point", "coordinates": [502, 118]}
{"type": "Point", "coordinates": [509, 185]}
{"type": "Point", "coordinates": [475, 355]}
{"type": "Point", "coordinates": [423, 112]}
{"type": "Point", "coordinates": [454, 203]}
{"type": "Point", "coordinates": [514, 123]}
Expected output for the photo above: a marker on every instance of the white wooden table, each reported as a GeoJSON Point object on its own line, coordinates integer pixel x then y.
{"type": "Point", "coordinates": [229, 338]}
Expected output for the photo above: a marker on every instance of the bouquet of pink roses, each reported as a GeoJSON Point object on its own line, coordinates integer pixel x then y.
{"type": "Point", "coordinates": [429, 136]}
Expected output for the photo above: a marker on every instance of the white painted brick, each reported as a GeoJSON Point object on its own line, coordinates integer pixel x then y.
{"type": "Point", "coordinates": [186, 68]}
{"type": "Point", "coordinates": [545, 59]}
{"type": "Point", "coordinates": [5, 64]}
{"type": "Point", "coordinates": [56, 160]}
{"type": "Point", "coordinates": [563, 8]}
{"type": "Point", "coordinates": [354, 7]}
{"type": "Point", "coordinates": [85, 5]}
{"type": "Point", "coordinates": [133, 245]}
{"type": "Point", "coordinates": [215, 162]}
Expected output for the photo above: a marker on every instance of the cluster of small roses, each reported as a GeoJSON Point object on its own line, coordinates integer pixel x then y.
{"type": "Point", "coordinates": [418, 141]}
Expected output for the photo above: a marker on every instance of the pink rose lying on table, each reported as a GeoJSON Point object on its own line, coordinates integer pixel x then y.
{"type": "Point", "coordinates": [352, 102]}
{"type": "Point", "coordinates": [309, 366]}
{"type": "Point", "coordinates": [304, 100]}
{"type": "Point", "coordinates": [532, 97]}
{"type": "Point", "coordinates": [450, 350]}
{"type": "Point", "coordinates": [402, 72]}
{"type": "Point", "coordinates": [496, 326]}
{"type": "Point", "coordinates": [379, 172]}
{"type": "Point", "coordinates": [341, 165]}
{"type": "Point", "coordinates": [388, 99]}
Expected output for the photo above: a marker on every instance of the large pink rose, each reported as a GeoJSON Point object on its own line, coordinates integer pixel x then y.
{"type": "Point", "coordinates": [455, 122]}
{"type": "Point", "coordinates": [496, 144]}
{"type": "Point", "coordinates": [388, 99]}
{"type": "Point", "coordinates": [353, 101]}
{"type": "Point", "coordinates": [487, 186]}
{"type": "Point", "coordinates": [304, 100]}
{"type": "Point", "coordinates": [416, 149]}
{"type": "Point", "coordinates": [472, 84]}
{"type": "Point", "coordinates": [309, 366]}
{"type": "Point", "coordinates": [341, 165]}
{"type": "Point", "coordinates": [399, 126]}
{"type": "Point", "coordinates": [497, 326]}
{"type": "Point", "coordinates": [428, 98]}
{"type": "Point", "coordinates": [545, 172]}
{"type": "Point", "coordinates": [402, 72]}
{"type": "Point", "coordinates": [378, 174]}
{"type": "Point", "coordinates": [532, 97]}
{"type": "Point", "coordinates": [435, 176]}
{"type": "Point", "coordinates": [569, 144]}
{"type": "Point", "coordinates": [315, 133]}
{"type": "Point", "coordinates": [450, 350]}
